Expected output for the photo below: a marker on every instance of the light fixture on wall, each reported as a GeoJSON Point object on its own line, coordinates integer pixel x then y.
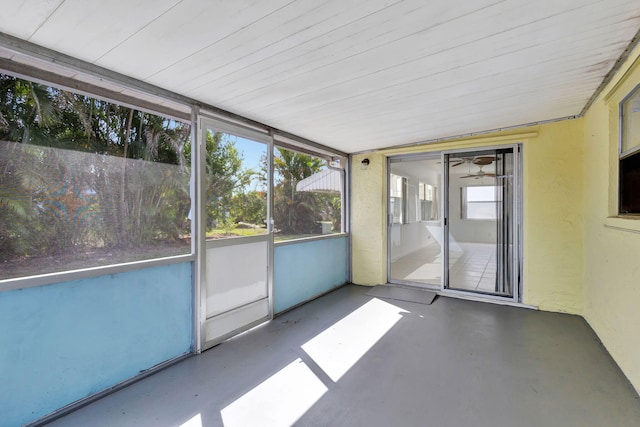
{"type": "Point", "coordinates": [364, 164]}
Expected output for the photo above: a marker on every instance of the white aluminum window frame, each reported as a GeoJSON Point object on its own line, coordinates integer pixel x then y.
{"type": "Point", "coordinates": [151, 100]}
{"type": "Point", "coordinates": [464, 203]}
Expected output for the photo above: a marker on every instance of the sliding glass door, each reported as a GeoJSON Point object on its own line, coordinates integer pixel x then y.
{"type": "Point", "coordinates": [415, 226]}
{"type": "Point", "coordinates": [480, 212]}
{"type": "Point", "coordinates": [452, 221]}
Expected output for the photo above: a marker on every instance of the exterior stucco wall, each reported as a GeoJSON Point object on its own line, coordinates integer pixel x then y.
{"type": "Point", "coordinates": [552, 211]}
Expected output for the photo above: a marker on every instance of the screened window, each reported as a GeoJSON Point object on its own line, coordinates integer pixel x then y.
{"type": "Point", "coordinates": [479, 202]}
{"type": "Point", "coordinates": [629, 158]}
{"type": "Point", "coordinates": [307, 196]}
{"type": "Point", "coordinates": [85, 182]}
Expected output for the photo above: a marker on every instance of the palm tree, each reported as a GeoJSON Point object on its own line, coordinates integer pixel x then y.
{"type": "Point", "coordinates": [295, 212]}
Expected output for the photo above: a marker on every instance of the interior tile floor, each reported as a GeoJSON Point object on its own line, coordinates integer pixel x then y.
{"type": "Point", "coordinates": [421, 266]}
{"type": "Point", "coordinates": [348, 359]}
{"type": "Point", "coordinates": [473, 267]}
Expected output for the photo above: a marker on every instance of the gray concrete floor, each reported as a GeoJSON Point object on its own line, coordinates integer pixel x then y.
{"type": "Point", "coordinates": [348, 359]}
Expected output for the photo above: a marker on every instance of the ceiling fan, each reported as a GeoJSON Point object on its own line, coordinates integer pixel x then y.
{"type": "Point", "coordinates": [476, 160]}
{"type": "Point", "coordinates": [481, 161]}
{"type": "Point", "coordinates": [480, 174]}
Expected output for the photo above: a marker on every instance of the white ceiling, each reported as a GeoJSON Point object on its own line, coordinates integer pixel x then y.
{"type": "Point", "coordinates": [351, 74]}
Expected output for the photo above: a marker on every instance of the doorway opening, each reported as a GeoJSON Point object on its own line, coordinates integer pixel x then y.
{"type": "Point", "coordinates": [415, 224]}
{"type": "Point", "coordinates": [454, 221]}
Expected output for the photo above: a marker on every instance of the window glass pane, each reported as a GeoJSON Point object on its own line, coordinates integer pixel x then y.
{"type": "Point", "coordinates": [395, 185]}
{"type": "Point", "coordinates": [396, 209]}
{"type": "Point", "coordinates": [428, 192]}
{"type": "Point", "coordinates": [631, 122]}
{"type": "Point", "coordinates": [413, 207]}
{"type": "Point", "coordinates": [426, 210]}
{"type": "Point", "coordinates": [481, 210]}
{"type": "Point", "coordinates": [481, 194]}
{"type": "Point", "coordinates": [396, 193]}
{"type": "Point", "coordinates": [236, 187]}
{"type": "Point", "coordinates": [85, 182]}
{"type": "Point", "coordinates": [630, 185]}
{"type": "Point", "coordinates": [480, 202]}
{"type": "Point", "coordinates": [307, 196]}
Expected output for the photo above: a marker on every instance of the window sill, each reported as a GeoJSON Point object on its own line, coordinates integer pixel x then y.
{"type": "Point", "coordinates": [310, 239]}
{"type": "Point", "coordinates": [89, 272]}
{"type": "Point", "coordinates": [629, 223]}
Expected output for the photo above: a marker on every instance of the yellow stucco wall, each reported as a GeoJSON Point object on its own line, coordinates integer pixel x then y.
{"type": "Point", "coordinates": [612, 255]}
{"type": "Point", "coordinates": [553, 199]}
{"type": "Point", "coordinates": [553, 219]}
{"type": "Point", "coordinates": [368, 231]}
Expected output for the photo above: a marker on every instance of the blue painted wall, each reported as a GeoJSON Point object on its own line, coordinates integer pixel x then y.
{"type": "Point", "coordinates": [307, 269]}
{"type": "Point", "coordinates": [65, 341]}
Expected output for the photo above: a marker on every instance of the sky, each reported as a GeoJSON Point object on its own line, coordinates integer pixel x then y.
{"type": "Point", "coordinates": [251, 153]}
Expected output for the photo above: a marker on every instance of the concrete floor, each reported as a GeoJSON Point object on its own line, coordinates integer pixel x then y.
{"type": "Point", "coordinates": [348, 359]}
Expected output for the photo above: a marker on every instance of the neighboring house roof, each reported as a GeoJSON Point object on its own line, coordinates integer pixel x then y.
{"type": "Point", "coordinates": [326, 181]}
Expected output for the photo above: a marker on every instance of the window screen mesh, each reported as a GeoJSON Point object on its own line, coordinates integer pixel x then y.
{"type": "Point", "coordinates": [85, 182]}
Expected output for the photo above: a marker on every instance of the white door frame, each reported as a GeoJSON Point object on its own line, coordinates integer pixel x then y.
{"type": "Point", "coordinates": [516, 226]}
{"type": "Point", "coordinates": [517, 232]}
{"type": "Point", "coordinates": [200, 271]}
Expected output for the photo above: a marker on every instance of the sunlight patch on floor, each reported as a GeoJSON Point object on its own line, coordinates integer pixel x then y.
{"type": "Point", "coordinates": [339, 347]}
{"type": "Point", "coordinates": [278, 401]}
{"type": "Point", "coordinates": [193, 422]}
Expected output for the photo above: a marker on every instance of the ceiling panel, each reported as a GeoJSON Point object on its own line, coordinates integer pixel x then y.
{"type": "Point", "coordinates": [485, 56]}
{"type": "Point", "coordinates": [184, 33]}
{"type": "Point", "coordinates": [21, 18]}
{"type": "Point", "coordinates": [90, 29]}
{"type": "Point", "coordinates": [352, 74]}
{"type": "Point", "coordinates": [363, 32]}
{"type": "Point", "coordinates": [386, 52]}
{"type": "Point", "coordinates": [304, 22]}
{"type": "Point", "coordinates": [310, 25]}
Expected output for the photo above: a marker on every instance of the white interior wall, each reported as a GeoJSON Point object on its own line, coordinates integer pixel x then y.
{"type": "Point", "coordinates": [414, 235]}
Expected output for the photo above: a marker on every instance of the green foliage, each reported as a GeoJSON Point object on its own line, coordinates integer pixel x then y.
{"type": "Point", "coordinates": [250, 207]}
{"type": "Point", "coordinates": [225, 178]}
{"type": "Point", "coordinates": [295, 212]}
{"type": "Point", "coordinates": [78, 173]}
{"type": "Point", "coordinates": [336, 212]}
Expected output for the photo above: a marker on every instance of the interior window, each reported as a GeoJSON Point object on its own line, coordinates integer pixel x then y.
{"type": "Point", "coordinates": [397, 190]}
{"type": "Point", "coordinates": [479, 202]}
{"type": "Point", "coordinates": [427, 203]}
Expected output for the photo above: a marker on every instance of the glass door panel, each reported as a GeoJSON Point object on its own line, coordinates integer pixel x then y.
{"type": "Point", "coordinates": [415, 236]}
{"type": "Point", "coordinates": [236, 205]}
{"type": "Point", "coordinates": [480, 221]}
